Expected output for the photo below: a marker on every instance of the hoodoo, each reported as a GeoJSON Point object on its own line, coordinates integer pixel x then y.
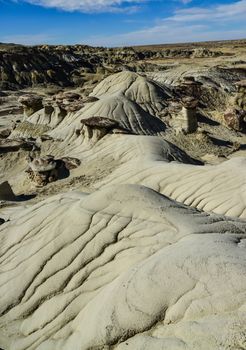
{"type": "Point", "coordinates": [95, 128]}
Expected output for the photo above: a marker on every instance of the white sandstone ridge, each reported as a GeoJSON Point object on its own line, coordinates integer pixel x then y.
{"type": "Point", "coordinates": [219, 188]}
{"type": "Point", "coordinates": [148, 94]}
{"type": "Point", "coordinates": [128, 114]}
{"type": "Point", "coordinates": [90, 272]}
{"type": "Point", "coordinates": [133, 108]}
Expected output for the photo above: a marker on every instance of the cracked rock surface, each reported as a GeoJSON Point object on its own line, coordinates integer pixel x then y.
{"type": "Point", "coordinates": [152, 272]}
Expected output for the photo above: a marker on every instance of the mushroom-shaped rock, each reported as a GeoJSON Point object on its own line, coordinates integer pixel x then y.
{"type": "Point", "coordinates": [189, 103]}
{"type": "Point", "coordinates": [43, 170]}
{"type": "Point", "coordinates": [95, 128]}
{"type": "Point", "coordinates": [31, 104]}
{"type": "Point", "coordinates": [187, 119]}
{"type": "Point", "coordinates": [127, 113]}
{"type": "Point", "coordinates": [6, 192]}
{"type": "Point", "coordinates": [43, 164]}
{"type": "Point", "coordinates": [190, 87]}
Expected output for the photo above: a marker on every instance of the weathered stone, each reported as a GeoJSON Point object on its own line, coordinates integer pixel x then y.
{"type": "Point", "coordinates": [71, 163]}
{"type": "Point", "coordinates": [190, 87]}
{"type": "Point", "coordinates": [31, 104]}
{"type": "Point", "coordinates": [95, 128]}
{"type": "Point", "coordinates": [235, 119]}
{"type": "Point", "coordinates": [4, 133]}
{"type": "Point", "coordinates": [42, 170]}
{"type": "Point", "coordinates": [14, 145]}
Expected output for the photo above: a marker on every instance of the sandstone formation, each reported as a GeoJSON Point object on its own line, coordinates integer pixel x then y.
{"type": "Point", "coordinates": [47, 169]}
{"type": "Point", "coordinates": [123, 197]}
{"type": "Point", "coordinates": [149, 95]}
{"type": "Point", "coordinates": [95, 128]}
{"type": "Point", "coordinates": [14, 145]}
{"type": "Point", "coordinates": [186, 121]}
{"type": "Point", "coordinates": [120, 280]}
{"type": "Point", "coordinates": [31, 104]}
{"type": "Point", "coordinates": [43, 170]}
{"type": "Point", "coordinates": [23, 66]}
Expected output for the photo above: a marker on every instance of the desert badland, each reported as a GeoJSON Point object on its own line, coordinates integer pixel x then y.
{"type": "Point", "coordinates": [123, 197]}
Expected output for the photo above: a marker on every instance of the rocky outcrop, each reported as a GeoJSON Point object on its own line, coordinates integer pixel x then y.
{"type": "Point", "coordinates": [14, 145]}
{"type": "Point", "coordinates": [47, 169]}
{"type": "Point", "coordinates": [235, 115]}
{"type": "Point", "coordinates": [22, 66]}
{"type": "Point", "coordinates": [235, 119]}
{"type": "Point", "coordinates": [43, 170]}
{"type": "Point", "coordinates": [31, 104]}
{"type": "Point", "coordinates": [95, 128]}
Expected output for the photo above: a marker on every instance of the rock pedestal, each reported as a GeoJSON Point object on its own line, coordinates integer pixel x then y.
{"type": "Point", "coordinates": [190, 87]}
{"type": "Point", "coordinates": [186, 121]}
{"type": "Point", "coordinates": [96, 128]}
{"type": "Point", "coordinates": [43, 170]}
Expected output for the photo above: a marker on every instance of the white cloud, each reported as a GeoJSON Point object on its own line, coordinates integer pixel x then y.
{"type": "Point", "coordinates": [186, 25]}
{"type": "Point", "coordinates": [88, 5]}
{"type": "Point", "coordinates": [216, 22]}
{"type": "Point", "coordinates": [229, 12]}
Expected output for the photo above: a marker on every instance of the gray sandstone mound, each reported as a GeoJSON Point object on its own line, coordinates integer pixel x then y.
{"type": "Point", "coordinates": [148, 94]}
{"type": "Point", "coordinates": [127, 113]}
{"type": "Point", "coordinates": [219, 188]}
{"type": "Point", "coordinates": [90, 272]}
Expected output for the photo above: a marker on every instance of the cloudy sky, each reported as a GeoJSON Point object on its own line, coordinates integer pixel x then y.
{"type": "Point", "coordinates": [120, 22]}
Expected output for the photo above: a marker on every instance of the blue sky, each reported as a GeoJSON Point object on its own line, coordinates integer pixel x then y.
{"type": "Point", "coordinates": [120, 23]}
